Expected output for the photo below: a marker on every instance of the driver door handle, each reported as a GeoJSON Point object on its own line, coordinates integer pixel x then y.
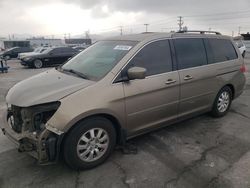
{"type": "Point", "coordinates": [170, 81]}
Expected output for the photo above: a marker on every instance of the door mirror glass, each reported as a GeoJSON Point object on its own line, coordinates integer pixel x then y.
{"type": "Point", "coordinates": [136, 73]}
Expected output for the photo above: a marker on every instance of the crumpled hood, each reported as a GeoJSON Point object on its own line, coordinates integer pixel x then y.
{"type": "Point", "coordinates": [45, 87]}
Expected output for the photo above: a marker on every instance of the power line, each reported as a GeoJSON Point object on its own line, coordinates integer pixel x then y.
{"type": "Point", "coordinates": [217, 14]}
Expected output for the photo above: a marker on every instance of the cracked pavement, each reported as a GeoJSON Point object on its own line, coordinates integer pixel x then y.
{"type": "Point", "coordinates": [199, 152]}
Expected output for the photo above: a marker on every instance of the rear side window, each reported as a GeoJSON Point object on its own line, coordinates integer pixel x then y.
{"type": "Point", "coordinates": [221, 50]}
{"type": "Point", "coordinates": [57, 50]}
{"type": "Point", "coordinates": [190, 52]}
{"type": "Point", "coordinates": [155, 57]}
{"type": "Point", "coordinates": [68, 50]}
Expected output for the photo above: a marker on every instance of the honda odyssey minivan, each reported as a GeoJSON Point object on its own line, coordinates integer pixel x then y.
{"type": "Point", "coordinates": [119, 88]}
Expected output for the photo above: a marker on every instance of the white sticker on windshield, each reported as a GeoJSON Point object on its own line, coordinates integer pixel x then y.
{"type": "Point", "coordinates": [122, 47]}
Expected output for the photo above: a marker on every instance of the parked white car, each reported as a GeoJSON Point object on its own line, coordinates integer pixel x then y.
{"type": "Point", "coordinates": [241, 47]}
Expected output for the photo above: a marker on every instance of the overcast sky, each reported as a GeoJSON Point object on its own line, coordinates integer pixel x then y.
{"type": "Point", "coordinates": [57, 17]}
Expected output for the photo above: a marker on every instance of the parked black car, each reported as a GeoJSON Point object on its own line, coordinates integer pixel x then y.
{"type": "Point", "coordinates": [13, 52]}
{"type": "Point", "coordinates": [51, 56]}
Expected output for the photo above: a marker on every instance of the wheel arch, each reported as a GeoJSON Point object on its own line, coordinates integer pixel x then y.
{"type": "Point", "coordinates": [232, 89]}
{"type": "Point", "coordinates": [121, 135]}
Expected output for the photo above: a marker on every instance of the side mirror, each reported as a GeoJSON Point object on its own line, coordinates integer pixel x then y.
{"type": "Point", "coordinates": [136, 73]}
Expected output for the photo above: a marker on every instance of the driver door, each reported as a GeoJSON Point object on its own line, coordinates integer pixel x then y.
{"type": "Point", "coordinates": [153, 100]}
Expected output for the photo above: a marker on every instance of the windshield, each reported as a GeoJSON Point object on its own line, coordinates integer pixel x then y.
{"type": "Point", "coordinates": [42, 50]}
{"type": "Point", "coordinates": [96, 61]}
{"type": "Point", "coordinates": [11, 48]}
{"type": "Point", "coordinates": [37, 50]}
{"type": "Point", "coordinates": [46, 50]}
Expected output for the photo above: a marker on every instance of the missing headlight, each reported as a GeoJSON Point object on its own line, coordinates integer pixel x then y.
{"type": "Point", "coordinates": [35, 117]}
{"type": "Point", "coordinates": [41, 119]}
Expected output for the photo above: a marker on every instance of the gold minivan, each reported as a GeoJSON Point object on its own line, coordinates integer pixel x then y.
{"type": "Point", "coordinates": [119, 88]}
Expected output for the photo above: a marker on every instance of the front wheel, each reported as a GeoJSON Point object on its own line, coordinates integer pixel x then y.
{"type": "Point", "coordinates": [38, 64]}
{"type": "Point", "coordinates": [7, 57]}
{"type": "Point", "coordinates": [90, 143]}
{"type": "Point", "coordinates": [222, 102]}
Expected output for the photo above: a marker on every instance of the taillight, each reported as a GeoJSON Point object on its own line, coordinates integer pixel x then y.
{"type": "Point", "coordinates": [243, 68]}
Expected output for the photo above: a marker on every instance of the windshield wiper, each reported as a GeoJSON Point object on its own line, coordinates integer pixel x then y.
{"type": "Point", "coordinates": [79, 74]}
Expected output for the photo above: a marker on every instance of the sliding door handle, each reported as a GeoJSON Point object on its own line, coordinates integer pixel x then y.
{"type": "Point", "coordinates": [188, 77]}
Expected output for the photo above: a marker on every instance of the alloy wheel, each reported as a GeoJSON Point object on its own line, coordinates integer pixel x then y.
{"type": "Point", "coordinates": [223, 101]}
{"type": "Point", "coordinates": [93, 144]}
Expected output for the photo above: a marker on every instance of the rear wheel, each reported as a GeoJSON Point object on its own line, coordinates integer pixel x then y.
{"type": "Point", "coordinates": [90, 143]}
{"type": "Point", "coordinates": [38, 64]}
{"type": "Point", "coordinates": [222, 102]}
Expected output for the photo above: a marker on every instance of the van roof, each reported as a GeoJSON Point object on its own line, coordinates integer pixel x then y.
{"type": "Point", "coordinates": [155, 35]}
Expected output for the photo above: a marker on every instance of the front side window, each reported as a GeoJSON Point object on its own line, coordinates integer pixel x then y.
{"type": "Point", "coordinates": [97, 60]}
{"type": "Point", "coordinates": [190, 52]}
{"type": "Point", "coordinates": [155, 57]}
{"type": "Point", "coordinates": [222, 50]}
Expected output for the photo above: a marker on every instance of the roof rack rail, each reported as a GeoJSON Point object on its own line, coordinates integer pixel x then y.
{"type": "Point", "coordinates": [198, 31]}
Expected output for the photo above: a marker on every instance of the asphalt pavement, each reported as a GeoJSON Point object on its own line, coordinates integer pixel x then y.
{"type": "Point", "coordinates": [199, 152]}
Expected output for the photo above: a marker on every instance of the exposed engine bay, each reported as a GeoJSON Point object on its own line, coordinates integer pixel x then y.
{"type": "Point", "coordinates": [31, 119]}
{"type": "Point", "coordinates": [28, 123]}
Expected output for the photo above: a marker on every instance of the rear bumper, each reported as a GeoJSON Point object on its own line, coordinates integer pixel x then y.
{"type": "Point", "coordinates": [45, 147]}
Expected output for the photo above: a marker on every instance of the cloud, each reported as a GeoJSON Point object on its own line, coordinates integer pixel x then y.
{"type": "Point", "coordinates": [175, 7]}
{"type": "Point", "coordinates": [97, 14]}
{"type": "Point", "coordinates": [85, 4]}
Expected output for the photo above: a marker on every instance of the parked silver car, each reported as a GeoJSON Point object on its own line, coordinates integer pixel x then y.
{"type": "Point", "coordinates": [120, 88]}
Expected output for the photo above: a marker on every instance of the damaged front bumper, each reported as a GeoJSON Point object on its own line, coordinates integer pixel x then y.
{"type": "Point", "coordinates": [45, 146]}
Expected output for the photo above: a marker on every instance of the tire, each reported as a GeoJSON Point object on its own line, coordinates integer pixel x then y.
{"type": "Point", "coordinates": [38, 64]}
{"type": "Point", "coordinates": [244, 54]}
{"type": "Point", "coordinates": [7, 57]}
{"type": "Point", "coordinates": [222, 102]}
{"type": "Point", "coordinates": [80, 152]}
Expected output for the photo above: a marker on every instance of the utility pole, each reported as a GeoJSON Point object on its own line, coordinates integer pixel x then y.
{"type": "Point", "coordinates": [232, 33]}
{"type": "Point", "coordinates": [87, 34]}
{"type": "Point", "coordinates": [69, 35]}
{"type": "Point", "coordinates": [239, 31]}
{"type": "Point", "coordinates": [121, 30]}
{"type": "Point", "coordinates": [146, 27]}
{"type": "Point", "coordinates": [180, 22]}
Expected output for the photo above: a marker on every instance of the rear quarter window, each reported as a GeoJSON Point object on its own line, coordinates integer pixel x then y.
{"type": "Point", "coordinates": [220, 50]}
